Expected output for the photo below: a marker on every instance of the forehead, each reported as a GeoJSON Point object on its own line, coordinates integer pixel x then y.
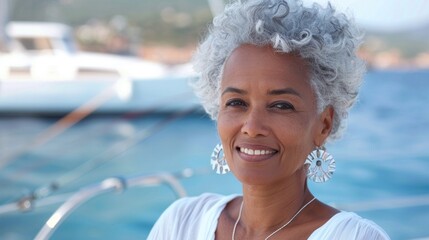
{"type": "Point", "coordinates": [250, 62]}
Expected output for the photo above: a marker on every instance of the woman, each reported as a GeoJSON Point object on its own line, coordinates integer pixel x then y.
{"type": "Point", "coordinates": [279, 79]}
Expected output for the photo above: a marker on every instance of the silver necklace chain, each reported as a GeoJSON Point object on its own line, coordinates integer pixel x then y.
{"type": "Point", "coordinates": [276, 231]}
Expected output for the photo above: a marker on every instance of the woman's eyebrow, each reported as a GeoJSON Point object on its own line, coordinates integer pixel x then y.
{"type": "Point", "coordinates": [234, 90]}
{"type": "Point", "coordinates": [284, 91]}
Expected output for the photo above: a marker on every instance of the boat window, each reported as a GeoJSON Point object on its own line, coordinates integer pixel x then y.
{"type": "Point", "coordinates": [38, 44]}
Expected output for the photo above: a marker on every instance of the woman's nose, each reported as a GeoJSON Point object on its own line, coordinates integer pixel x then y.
{"type": "Point", "coordinates": [255, 124]}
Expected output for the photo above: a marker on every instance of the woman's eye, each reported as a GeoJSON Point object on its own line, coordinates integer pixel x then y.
{"type": "Point", "coordinates": [235, 103]}
{"type": "Point", "coordinates": [282, 106]}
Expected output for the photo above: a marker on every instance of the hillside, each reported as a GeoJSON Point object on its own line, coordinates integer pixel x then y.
{"type": "Point", "coordinates": [166, 28]}
{"type": "Point", "coordinates": [175, 22]}
{"type": "Point", "coordinates": [409, 43]}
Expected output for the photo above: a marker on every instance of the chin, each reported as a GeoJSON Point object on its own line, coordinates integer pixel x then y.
{"type": "Point", "coordinates": [256, 177]}
{"type": "Point", "coordinates": [269, 177]}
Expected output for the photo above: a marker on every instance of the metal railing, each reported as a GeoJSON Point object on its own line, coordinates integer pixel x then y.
{"type": "Point", "coordinates": [114, 184]}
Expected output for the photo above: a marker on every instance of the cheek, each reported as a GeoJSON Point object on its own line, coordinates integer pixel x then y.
{"type": "Point", "coordinates": [296, 135]}
{"type": "Point", "coordinates": [223, 127]}
{"type": "Point", "coordinates": [227, 129]}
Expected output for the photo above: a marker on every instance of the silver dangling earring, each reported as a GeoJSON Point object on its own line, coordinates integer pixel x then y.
{"type": "Point", "coordinates": [321, 165]}
{"type": "Point", "coordinates": [218, 162]}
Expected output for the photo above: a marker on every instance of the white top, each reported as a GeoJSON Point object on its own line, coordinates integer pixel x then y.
{"type": "Point", "coordinates": [196, 218]}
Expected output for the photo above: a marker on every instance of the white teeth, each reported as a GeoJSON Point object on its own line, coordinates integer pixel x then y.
{"type": "Point", "coordinates": [255, 152]}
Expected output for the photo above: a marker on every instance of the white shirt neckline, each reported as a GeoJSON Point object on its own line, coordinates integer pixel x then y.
{"type": "Point", "coordinates": [217, 209]}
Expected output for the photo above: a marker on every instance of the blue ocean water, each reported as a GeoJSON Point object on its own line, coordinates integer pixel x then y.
{"type": "Point", "coordinates": [382, 163]}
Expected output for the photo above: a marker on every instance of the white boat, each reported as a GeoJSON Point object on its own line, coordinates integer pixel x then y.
{"type": "Point", "coordinates": [43, 72]}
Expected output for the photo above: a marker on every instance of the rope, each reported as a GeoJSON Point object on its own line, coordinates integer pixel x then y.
{"type": "Point", "coordinates": [63, 124]}
{"type": "Point", "coordinates": [49, 134]}
{"type": "Point", "coordinates": [110, 154]}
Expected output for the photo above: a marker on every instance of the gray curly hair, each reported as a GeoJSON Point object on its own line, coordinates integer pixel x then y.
{"type": "Point", "coordinates": [325, 39]}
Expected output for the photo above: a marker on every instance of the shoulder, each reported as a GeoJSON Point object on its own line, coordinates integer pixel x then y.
{"type": "Point", "coordinates": [184, 216]}
{"type": "Point", "coordinates": [194, 205]}
{"type": "Point", "coordinates": [348, 225]}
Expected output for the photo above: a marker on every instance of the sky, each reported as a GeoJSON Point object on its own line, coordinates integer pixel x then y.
{"type": "Point", "coordinates": [384, 15]}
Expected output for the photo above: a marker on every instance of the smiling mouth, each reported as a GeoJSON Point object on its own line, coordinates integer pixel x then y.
{"type": "Point", "coordinates": [256, 152]}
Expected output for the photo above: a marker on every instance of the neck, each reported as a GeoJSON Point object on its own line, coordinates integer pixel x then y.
{"type": "Point", "coordinates": [267, 207]}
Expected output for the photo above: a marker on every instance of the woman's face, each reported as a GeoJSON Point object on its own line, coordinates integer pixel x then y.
{"type": "Point", "coordinates": [268, 121]}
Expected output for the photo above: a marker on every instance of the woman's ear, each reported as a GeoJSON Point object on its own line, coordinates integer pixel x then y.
{"type": "Point", "coordinates": [325, 125]}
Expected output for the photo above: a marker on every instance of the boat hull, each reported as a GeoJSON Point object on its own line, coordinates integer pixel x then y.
{"type": "Point", "coordinates": [96, 96]}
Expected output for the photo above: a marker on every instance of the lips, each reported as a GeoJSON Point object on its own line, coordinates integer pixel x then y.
{"type": "Point", "coordinates": [255, 153]}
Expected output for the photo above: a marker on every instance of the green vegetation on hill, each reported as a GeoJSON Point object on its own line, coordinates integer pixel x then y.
{"type": "Point", "coordinates": [177, 22]}
{"type": "Point", "coordinates": [408, 42]}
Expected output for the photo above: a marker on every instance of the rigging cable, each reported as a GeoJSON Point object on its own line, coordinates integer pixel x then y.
{"type": "Point", "coordinates": [26, 202]}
